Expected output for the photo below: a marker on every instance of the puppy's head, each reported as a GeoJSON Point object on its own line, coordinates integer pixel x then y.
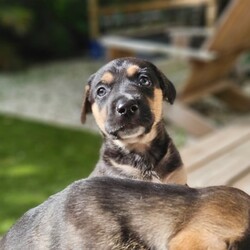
{"type": "Point", "coordinates": [125, 97]}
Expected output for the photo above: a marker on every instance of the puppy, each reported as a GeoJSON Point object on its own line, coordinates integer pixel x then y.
{"type": "Point", "coordinates": [114, 213]}
{"type": "Point", "coordinates": [126, 98]}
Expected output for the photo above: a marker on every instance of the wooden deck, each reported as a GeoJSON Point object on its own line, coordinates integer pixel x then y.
{"type": "Point", "coordinates": [221, 158]}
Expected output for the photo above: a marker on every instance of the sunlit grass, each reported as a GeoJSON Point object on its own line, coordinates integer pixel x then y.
{"type": "Point", "coordinates": [38, 160]}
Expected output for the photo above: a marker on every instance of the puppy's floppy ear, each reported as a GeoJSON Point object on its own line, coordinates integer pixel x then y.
{"type": "Point", "coordinates": [168, 89]}
{"type": "Point", "coordinates": [86, 106]}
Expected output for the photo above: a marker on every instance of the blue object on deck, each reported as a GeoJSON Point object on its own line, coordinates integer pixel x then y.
{"type": "Point", "coordinates": [96, 49]}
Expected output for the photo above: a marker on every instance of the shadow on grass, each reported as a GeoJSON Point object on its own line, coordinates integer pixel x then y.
{"type": "Point", "coordinates": [38, 160]}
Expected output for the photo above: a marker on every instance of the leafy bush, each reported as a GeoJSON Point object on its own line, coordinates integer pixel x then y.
{"type": "Point", "coordinates": [42, 29]}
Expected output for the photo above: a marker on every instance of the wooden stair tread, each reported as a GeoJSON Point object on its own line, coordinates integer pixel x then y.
{"type": "Point", "coordinates": [214, 145]}
{"type": "Point", "coordinates": [223, 169]}
{"type": "Point", "coordinates": [243, 183]}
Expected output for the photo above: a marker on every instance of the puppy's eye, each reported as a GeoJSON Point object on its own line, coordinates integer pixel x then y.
{"type": "Point", "coordinates": [144, 81]}
{"type": "Point", "coordinates": [101, 91]}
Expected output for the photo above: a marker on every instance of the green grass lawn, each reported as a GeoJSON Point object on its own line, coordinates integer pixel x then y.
{"type": "Point", "coordinates": [38, 160]}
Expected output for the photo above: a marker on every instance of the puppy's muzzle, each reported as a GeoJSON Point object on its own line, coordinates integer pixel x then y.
{"type": "Point", "coordinates": [127, 107]}
{"type": "Point", "coordinates": [128, 116]}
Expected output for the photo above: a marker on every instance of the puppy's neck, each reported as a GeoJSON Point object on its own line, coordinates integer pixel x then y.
{"type": "Point", "coordinates": [142, 158]}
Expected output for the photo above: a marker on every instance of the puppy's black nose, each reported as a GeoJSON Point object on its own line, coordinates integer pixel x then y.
{"type": "Point", "coordinates": [126, 107]}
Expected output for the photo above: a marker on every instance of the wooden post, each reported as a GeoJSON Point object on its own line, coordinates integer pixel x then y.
{"type": "Point", "coordinates": [211, 13]}
{"type": "Point", "coordinates": [93, 19]}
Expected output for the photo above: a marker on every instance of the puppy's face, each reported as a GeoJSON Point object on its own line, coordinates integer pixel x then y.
{"type": "Point", "coordinates": [125, 97]}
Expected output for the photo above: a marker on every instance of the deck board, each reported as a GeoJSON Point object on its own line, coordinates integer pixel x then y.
{"type": "Point", "coordinates": [243, 182]}
{"type": "Point", "coordinates": [223, 158]}
{"type": "Point", "coordinates": [223, 169]}
{"type": "Point", "coordinates": [214, 145]}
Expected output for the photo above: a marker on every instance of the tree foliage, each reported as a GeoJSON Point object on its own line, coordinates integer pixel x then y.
{"type": "Point", "coordinates": [41, 29]}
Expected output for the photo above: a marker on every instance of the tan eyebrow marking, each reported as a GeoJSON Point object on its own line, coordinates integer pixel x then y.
{"type": "Point", "coordinates": [131, 70]}
{"type": "Point", "coordinates": [107, 77]}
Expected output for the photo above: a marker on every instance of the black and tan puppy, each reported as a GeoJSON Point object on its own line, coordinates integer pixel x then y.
{"type": "Point", "coordinates": [113, 213]}
{"type": "Point", "coordinates": [126, 98]}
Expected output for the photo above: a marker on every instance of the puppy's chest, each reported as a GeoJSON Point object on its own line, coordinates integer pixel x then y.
{"type": "Point", "coordinates": [128, 171]}
{"type": "Point", "coordinates": [133, 165]}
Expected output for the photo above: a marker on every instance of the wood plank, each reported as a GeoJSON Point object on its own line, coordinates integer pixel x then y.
{"type": "Point", "coordinates": [211, 13]}
{"type": "Point", "coordinates": [132, 44]}
{"type": "Point", "coordinates": [93, 18]}
{"type": "Point", "coordinates": [234, 23]}
{"type": "Point", "coordinates": [188, 119]}
{"type": "Point", "coordinates": [235, 98]}
{"type": "Point", "coordinates": [190, 31]}
{"type": "Point", "coordinates": [223, 169]}
{"type": "Point", "coordinates": [150, 5]}
{"type": "Point", "coordinates": [204, 73]}
{"type": "Point", "coordinates": [198, 93]}
{"type": "Point", "coordinates": [243, 182]}
{"type": "Point", "coordinates": [211, 146]}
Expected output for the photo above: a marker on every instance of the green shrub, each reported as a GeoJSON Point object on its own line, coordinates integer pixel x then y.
{"type": "Point", "coordinates": [43, 29]}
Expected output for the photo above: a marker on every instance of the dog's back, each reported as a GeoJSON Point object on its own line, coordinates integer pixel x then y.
{"type": "Point", "coordinates": [38, 228]}
{"type": "Point", "coordinates": [90, 214]}
{"type": "Point", "coordinates": [107, 213]}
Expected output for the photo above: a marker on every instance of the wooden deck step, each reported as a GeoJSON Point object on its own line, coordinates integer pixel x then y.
{"type": "Point", "coordinates": [222, 158]}
{"type": "Point", "coordinates": [214, 145]}
{"type": "Point", "coordinates": [243, 182]}
{"type": "Point", "coordinates": [223, 169]}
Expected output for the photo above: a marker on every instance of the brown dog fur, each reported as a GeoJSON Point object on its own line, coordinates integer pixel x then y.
{"type": "Point", "coordinates": [114, 213]}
